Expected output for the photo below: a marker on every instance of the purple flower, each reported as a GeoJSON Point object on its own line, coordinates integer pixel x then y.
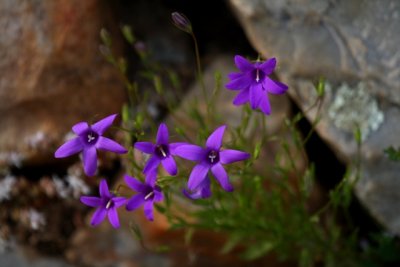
{"type": "Point", "coordinates": [254, 84]}
{"type": "Point", "coordinates": [210, 158]}
{"type": "Point", "coordinates": [202, 191]}
{"type": "Point", "coordinates": [148, 193]}
{"type": "Point", "coordinates": [106, 204]}
{"type": "Point", "coordinates": [90, 139]}
{"type": "Point", "coordinates": [161, 152]}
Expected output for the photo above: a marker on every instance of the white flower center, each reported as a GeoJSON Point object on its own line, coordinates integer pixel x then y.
{"type": "Point", "coordinates": [149, 195]}
{"type": "Point", "coordinates": [109, 203]}
{"type": "Point", "coordinates": [212, 156]}
{"type": "Point", "coordinates": [90, 137]}
{"type": "Point", "coordinates": [257, 75]}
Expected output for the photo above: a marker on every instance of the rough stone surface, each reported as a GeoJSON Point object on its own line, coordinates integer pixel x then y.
{"type": "Point", "coordinates": [344, 42]}
{"type": "Point", "coordinates": [52, 75]}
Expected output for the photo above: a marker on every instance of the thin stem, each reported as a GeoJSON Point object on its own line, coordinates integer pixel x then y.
{"type": "Point", "coordinates": [199, 71]}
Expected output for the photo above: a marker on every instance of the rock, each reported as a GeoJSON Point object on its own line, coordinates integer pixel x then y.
{"type": "Point", "coordinates": [342, 41]}
{"type": "Point", "coordinates": [52, 75]}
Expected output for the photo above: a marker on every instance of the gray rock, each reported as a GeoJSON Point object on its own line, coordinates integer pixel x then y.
{"type": "Point", "coordinates": [354, 45]}
{"type": "Point", "coordinates": [52, 75]}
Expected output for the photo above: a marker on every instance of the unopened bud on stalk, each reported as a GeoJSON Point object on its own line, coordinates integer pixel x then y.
{"type": "Point", "coordinates": [182, 22]}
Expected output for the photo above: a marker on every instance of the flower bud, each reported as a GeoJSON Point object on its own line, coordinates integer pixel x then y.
{"type": "Point", "coordinates": [182, 22]}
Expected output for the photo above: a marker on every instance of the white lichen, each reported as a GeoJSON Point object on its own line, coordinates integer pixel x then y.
{"type": "Point", "coordinates": [355, 107]}
{"type": "Point", "coordinates": [71, 186]}
{"type": "Point", "coordinates": [12, 158]}
{"type": "Point", "coordinates": [77, 186]}
{"type": "Point", "coordinates": [61, 188]}
{"type": "Point", "coordinates": [6, 186]}
{"type": "Point", "coordinates": [36, 219]}
{"type": "Point", "coordinates": [35, 140]}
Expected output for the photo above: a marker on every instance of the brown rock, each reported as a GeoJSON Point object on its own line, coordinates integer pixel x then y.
{"type": "Point", "coordinates": [52, 75]}
{"type": "Point", "coordinates": [342, 41]}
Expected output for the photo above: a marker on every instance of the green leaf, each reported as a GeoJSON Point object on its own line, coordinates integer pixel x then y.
{"type": "Point", "coordinates": [232, 242]}
{"type": "Point", "coordinates": [321, 87]}
{"type": "Point", "coordinates": [135, 230]}
{"type": "Point", "coordinates": [392, 153]}
{"type": "Point", "coordinates": [127, 33]}
{"type": "Point", "coordinates": [105, 37]}
{"type": "Point", "coordinates": [258, 250]}
{"type": "Point", "coordinates": [257, 150]}
{"type": "Point", "coordinates": [158, 84]}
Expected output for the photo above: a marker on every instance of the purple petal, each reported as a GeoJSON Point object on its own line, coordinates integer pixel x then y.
{"type": "Point", "coordinates": [274, 87]}
{"type": "Point", "coordinates": [80, 127]}
{"type": "Point", "coordinates": [162, 135]}
{"type": "Point", "coordinates": [203, 190]}
{"type": "Point", "coordinates": [148, 210]}
{"type": "Point", "coordinates": [101, 126]}
{"type": "Point", "coordinates": [91, 201]}
{"type": "Point", "coordinates": [158, 195]}
{"type": "Point", "coordinates": [243, 64]}
{"type": "Point", "coordinates": [190, 152]}
{"type": "Point", "coordinates": [135, 202]}
{"type": "Point", "coordinates": [103, 189]}
{"type": "Point", "coordinates": [169, 165]}
{"type": "Point", "coordinates": [145, 147]}
{"type": "Point", "coordinates": [69, 148]}
{"type": "Point", "coordinates": [174, 146]}
{"type": "Point", "coordinates": [242, 97]}
{"type": "Point", "coordinates": [90, 160]}
{"type": "Point", "coordinates": [134, 184]}
{"type": "Point", "coordinates": [229, 156]}
{"type": "Point", "coordinates": [268, 66]}
{"type": "Point", "coordinates": [107, 144]}
{"type": "Point", "coordinates": [197, 175]}
{"type": "Point", "coordinates": [151, 178]}
{"type": "Point", "coordinates": [233, 76]}
{"type": "Point", "coordinates": [151, 164]}
{"type": "Point", "coordinates": [256, 93]}
{"type": "Point", "coordinates": [222, 177]}
{"type": "Point", "coordinates": [214, 141]}
{"type": "Point", "coordinates": [265, 105]}
{"type": "Point", "coordinates": [239, 83]}
{"type": "Point", "coordinates": [119, 201]}
{"type": "Point", "coordinates": [98, 216]}
{"type": "Point", "coordinates": [113, 217]}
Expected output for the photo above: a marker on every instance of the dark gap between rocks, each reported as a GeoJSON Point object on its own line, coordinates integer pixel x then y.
{"type": "Point", "coordinates": [329, 172]}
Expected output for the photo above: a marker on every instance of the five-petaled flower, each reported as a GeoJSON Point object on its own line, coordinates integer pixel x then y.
{"type": "Point", "coordinates": [162, 151]}
{"type": "Point", "coordinates": [147, 193]}
{"type": "Point", "coordinates": [106, 204]}
{"type": "Point", "coordinates": [210, 158]}
{"type": "Point", "coordinates": [90, 139]}
{"type": "Point", "coordinates": [254, 83]}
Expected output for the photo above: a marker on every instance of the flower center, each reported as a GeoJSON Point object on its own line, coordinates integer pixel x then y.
{"type": "Point", "coordinates": [258, 75]}
{"type": "Point", "coordinates": [162, 151]}
{"type": "Point", "coordinates": [109, 204]}
{"type": "Point", "coordinates": [149, 195]}
{"type": "Point", "coordinates": [213, 157]}
{"type": "Point", "coordinates": [90, 137]}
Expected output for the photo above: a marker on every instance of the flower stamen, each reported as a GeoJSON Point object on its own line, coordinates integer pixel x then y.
{"type": "Point", "coordinates": [257, 75]}
{"type": "Point", "coordinates": [163, 152]}
{"type": "Point", "coordinates": [212, 156]}
{"type": "Point", "coordinates": [109, 203]}
{"type": "Point", "coordinates": [90, 137]}
{"type": "Point", "coordinates": [149, 195]}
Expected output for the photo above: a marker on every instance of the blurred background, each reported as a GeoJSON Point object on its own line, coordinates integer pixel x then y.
{"type": "Point", "coordinates": [53, 75]}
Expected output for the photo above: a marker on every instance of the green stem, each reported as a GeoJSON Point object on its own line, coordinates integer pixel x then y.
{"type": "Point", "coordinates": [199, 71]}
